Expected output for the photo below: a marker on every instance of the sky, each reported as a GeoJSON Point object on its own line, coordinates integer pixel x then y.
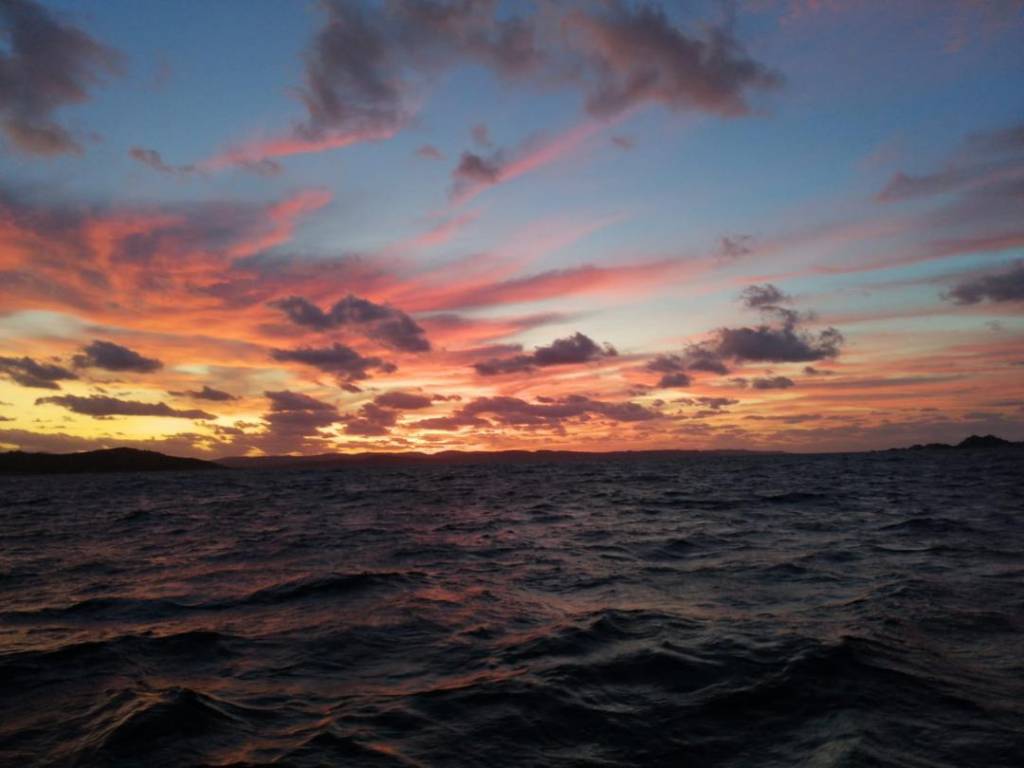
{"type": "Point", "coordinates": [264, 227]}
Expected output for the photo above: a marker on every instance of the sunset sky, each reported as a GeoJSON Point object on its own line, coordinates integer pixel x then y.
{"type": "Point", "coordinates": [272, 227]}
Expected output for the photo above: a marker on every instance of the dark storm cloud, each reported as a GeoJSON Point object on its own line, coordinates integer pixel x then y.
{"type": "Point", "coordinates": [574, 349]}
{"type": "Point", "coordinates": [403, 401]}
{"type": "Point", "coordinates": [1007, 286]}
{"type": "Point", "coordinates": [29, 373]}
{"type": "Point", "coordinates": [45, 64]}
{"type": "Point", "coordinates": [344, 362]}
{"type": "Point", "coordinates": [547, 413]}
{"type": "Point", "coordinates": [101, 405]}
{"type": "Point", "coordinates": [382, 323]}
{"type": "Point", "coordinates": [113, 357]}
{"type": "Point", "coordinates": [771, 382]}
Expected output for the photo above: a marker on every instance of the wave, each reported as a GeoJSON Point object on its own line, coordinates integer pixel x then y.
{"type": "Point", "coordinates": [820, 611]}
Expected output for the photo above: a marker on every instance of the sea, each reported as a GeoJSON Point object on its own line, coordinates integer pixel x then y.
{"type": "Point", "coordinates": [714, 610]}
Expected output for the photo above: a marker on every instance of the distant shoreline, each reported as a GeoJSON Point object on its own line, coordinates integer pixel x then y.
{"type": "Point", "coordinates": [135, 460]}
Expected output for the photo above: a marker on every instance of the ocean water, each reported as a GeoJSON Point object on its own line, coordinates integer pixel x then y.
{"type": "Point", "coordinates": [849, 610]}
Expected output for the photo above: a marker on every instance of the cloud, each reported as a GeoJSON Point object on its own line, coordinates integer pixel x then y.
{"type": "Point", "coordinates": [352, 76]}
{"type": "Point", "coordinates": [207, 393]}
{"type": "Point", "coordinates": [101, 405]}
{"type": "Point", "coordinates": [733, 247]}
{"type": "Point", "coordinates": [704, 357]}
{"type": "Point", "coordinates": [672, 368]}
{"type": "Point", "coordinates": [368, 65]}
{"type": "Point", "coordinates": [113, 357]}
{"type": "Point", "coordinates": [780, 343]}
{"type": "Point", "coordinates": [294, 418]}
{"type": "Point", "coordinates": [759, 296]}
{"type": "Point", "coordinates": [1004, 287]}
{"type": "Point", "coordinates": [429, 152]}
{"type": "Point", "coordinates": [45, 64]}
{"type": "Point", "coordinates": [403, 401]}
{"type": "Point", "coordinates": [810, 370]}
{"type": "Point", "coordinates": [712, 403]}
{"type": "Point", "coordinates": [386, 324]}
{"type": "Point", "coordinates": [475, 170]}
{"type": "Point", "coordinates": [182, 444]}
{"type": "Point", "coordinates": [772, 382]}
{"type": "Point", "coordinates": [571, 350]}
{"type": "Point", "coordinates": [983, 160]}
{"type": "Point", "coordinates": [623, 142]}
{"type": "Point", "coordinates": [287, 401]}
{"type": "Point", "coordinates": [28, 373]}
{"type": "Point", "coordinates": [152, 159]}
{"type": "Point", "coordinates": [344, 362]}
{"type": "Point", "coordinates": [481, 135]}
{"type": "Point", "coordinates": [634, 55]}
{"type": "Point", "coordinates": [119, 263]}
{"type": "Point", "coordinates": [670, 380]}
{"type": "Point", "coordinates": [777, 345]}
{"type": "Point", "coordinates": [551, 414]}
{"type": "Point", "coordinates": [371, 421]}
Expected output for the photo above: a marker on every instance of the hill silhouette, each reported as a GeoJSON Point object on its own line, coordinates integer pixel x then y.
{"type": "Point", "coordinates": [972, 443]}
{"type": "Point", "coordinates": [107, 460]}
{"type": "Point", "coordinates": [135, 460]}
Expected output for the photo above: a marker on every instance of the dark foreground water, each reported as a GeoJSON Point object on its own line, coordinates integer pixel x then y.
{"type": "Point", "coordinates": [722, 611]}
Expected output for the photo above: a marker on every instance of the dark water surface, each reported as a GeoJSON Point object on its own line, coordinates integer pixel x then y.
{"type": "Point", "coordinates": [861, 610]}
